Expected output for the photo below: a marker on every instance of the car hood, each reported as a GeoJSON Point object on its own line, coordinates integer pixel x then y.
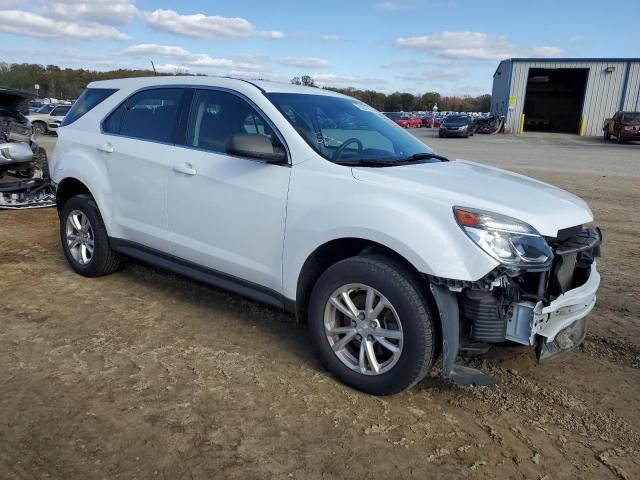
{"type": "Point", "coordinates": [468, 184]}
{"type": "Point", "coordinates": [10, 99]}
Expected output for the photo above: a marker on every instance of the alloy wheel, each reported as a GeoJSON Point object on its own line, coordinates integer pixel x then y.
{"type": "Point", "coordinates": [363, 329]}
{"type": "Point", "coordinates": [79, 237]}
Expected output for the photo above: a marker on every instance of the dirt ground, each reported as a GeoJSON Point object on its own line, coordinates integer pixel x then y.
{"type": "Point", "coordinates": [143, 374]}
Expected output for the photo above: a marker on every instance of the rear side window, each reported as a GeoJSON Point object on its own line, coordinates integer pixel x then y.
{"type": "Point", "coordinates": [148, 115]}
{"type": "Point", "coordinates": [85, 102]}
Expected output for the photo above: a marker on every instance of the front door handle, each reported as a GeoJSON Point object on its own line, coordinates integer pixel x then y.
{"type": "Point", "coordinates": [106, 148]}
{"type": "Point", "coordinates": [185, 168]}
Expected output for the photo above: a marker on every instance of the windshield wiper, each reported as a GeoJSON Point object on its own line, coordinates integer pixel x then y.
{"type": "Point", "coordinates": [420, 156]}
{"type": "Point", "coordinates": [389, 162]}
{"type": "Point", "coordinates": [364, 162]}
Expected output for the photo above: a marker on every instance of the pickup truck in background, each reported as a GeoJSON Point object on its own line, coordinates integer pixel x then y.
{"type": "Point", "coordinates": [44, 123]}
{"type": "Point", "coordinates": [623, 126]}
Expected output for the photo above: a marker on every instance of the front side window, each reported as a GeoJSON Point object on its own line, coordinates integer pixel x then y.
{"type": "Point", "coordinates": [147, 115]}
{"type": "Point", "coordinates": [346, 129]}
{"type": "Point", "coordinates": [60, 111]}
{"type": "Point", "coordinates": [45, 109]}
{"type": "Point", "coordinates": [216, 116]}
{"type": "Point", "coordinates": [85, 102]}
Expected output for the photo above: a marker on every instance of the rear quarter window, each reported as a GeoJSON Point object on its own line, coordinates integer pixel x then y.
{"type": "Point", "coordinates": [147, 115]}
{"type": "Point", "coordinates": [88, 100]}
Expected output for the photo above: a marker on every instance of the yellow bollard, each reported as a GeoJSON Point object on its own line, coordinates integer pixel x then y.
{"type": "Point", "coordinates": [582, 126]}
{"type": "Point", "coordinates": [521, 130]}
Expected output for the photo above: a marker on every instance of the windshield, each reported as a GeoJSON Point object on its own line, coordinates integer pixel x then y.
{"type": "Point", "coordinates": [45, 109]}
{"type": "Point", "coordinates": [342, 129]}
{"type": "Point", "coordinates": [456, 119]}
{"type": "Point", "coordinates": [632, 117]}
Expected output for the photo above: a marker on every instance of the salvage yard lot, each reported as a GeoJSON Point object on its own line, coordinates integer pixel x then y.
{"type": "Point", "coordinates": [143, 374]}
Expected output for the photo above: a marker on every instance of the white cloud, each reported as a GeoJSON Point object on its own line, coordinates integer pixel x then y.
{"type": "Point", "coordinates": [473, 45]}
{"type": "Point", "coordinates": [203, 26]}
{"type": "Point", "coordinates": [23, 23]}
{"type": "Point", "coordinates": [329, 38]}
{"type": "Point", "coordinates": [173, 69]}
{"type": "Point", "coordinates": [154, 49]}
{"type": "Point", "coordinates": [304, 62]}
{"type": "Point", "coordinates": [110, 12]}
{"type": "Point", "coordinates": [186, 57]}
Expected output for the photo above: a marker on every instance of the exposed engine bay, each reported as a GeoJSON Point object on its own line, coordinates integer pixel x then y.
{"type": "Point", "coordinates": [24, 168]}
{"type": "Point", "coordinates": [544, 308]}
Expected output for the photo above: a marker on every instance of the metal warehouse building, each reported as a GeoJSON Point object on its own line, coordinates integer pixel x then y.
{"type": "Point", "coordinates": [564, 95]}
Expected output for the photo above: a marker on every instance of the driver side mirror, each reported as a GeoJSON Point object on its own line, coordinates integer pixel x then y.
{"type": "Point", "coordinates": [255, 146]}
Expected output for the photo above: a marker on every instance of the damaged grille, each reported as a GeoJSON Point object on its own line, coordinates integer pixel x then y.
{"type": "Point", "coordinates": [574, 252]}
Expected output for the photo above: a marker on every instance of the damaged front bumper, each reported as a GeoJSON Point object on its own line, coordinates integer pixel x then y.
{"type": "Point", "coordinates": [559, 326]}
{"type": "Point", "coordinates": [546, 309]}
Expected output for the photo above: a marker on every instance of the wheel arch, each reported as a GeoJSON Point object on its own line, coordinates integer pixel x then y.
{"type": "Point", "coordinates": [68, 188]}
{"type": "Point", "coordinates": [333, 251]}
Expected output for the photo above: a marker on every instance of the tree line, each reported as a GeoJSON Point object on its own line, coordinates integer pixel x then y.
{"type": "Point", "coordinates": [407, 102]}
{"type": "Point", "coordinates": [68, 83]}
{"type": "Point", "coordinates": [56, 82]}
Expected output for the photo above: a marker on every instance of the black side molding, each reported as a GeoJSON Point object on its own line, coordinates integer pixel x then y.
{"type": "Point", "coordinates": [202, 274]}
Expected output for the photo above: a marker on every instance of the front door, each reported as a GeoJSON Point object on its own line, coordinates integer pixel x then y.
{"type": "Point", "coordinates": [227, 213]}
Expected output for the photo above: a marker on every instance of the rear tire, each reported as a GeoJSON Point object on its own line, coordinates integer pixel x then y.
{"type": "Point", "coordinates": [102, 259]}
{"type": "Point", "coordinates": [619, 137]}
{"type": "Point", "coordinates": [607, 135]}
{"type": "Point", "coordinates": [406, 315]}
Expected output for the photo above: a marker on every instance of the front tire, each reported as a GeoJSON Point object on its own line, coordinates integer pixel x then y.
{"type": "Point", "coordinates": [39, 128]}
{"type": "Point", "coordinates": [84, 238]}
{"type": "Point", "coordinates": [620, 138]}
{"type": "Point", "coordinates": [371, 325]}
{"type": "Point", "coordinates": [607, 135]}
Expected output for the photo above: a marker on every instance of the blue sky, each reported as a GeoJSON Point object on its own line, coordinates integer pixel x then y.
{"type": "Point", "coordinates": [450, 46]}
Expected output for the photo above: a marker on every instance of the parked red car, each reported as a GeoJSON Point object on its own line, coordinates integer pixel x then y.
{"type": "Point", "coordinates": [427, 121]}
{"type": "Point", "coordinates": [623, 126]}
{"type": "Point", "coordinates": [407, 121]}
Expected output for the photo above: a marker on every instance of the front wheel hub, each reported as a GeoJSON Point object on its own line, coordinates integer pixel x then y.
{"type": "Point", "coordinates": [363, 329]}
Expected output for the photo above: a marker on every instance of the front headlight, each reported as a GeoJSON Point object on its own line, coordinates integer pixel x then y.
{"type": "Point", "coordinates": [510, 241]}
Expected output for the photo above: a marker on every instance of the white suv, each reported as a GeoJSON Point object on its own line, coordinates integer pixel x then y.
{"type": "Point", "coordinates": [313, 202]}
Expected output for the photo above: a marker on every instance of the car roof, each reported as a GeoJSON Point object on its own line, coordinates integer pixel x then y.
{"type": "Point", "coordinates": [238, 84]}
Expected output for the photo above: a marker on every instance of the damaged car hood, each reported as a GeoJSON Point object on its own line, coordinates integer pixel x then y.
{"type": "Point", "coordinates": [10, 99]}
{"type": "Point", "coordinates": [469, 184]}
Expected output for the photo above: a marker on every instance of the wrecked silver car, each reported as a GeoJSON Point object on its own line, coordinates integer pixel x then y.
{"type": "Point", "coordinates": [24, 169]}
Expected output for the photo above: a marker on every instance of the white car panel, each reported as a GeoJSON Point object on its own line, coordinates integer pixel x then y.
{"type": "Point", "coordinates": [228, 214]}
{"type": "Point", "coordinates": [407, 209]}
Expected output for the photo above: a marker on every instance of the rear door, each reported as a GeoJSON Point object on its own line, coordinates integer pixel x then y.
{"type": "Point", "coordinates": [227, 213]}
{"type": "Point", "coordinates": [137, 147]}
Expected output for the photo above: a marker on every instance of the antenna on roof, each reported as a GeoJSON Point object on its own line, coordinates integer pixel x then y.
{"type": "Point", "coordinates": [154, 68]}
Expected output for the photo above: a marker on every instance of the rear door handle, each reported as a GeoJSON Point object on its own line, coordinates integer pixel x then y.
{"type": "Point", "coordinates": [106, 148]}
{"type": "Point", "coordinates": [185, 168]}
